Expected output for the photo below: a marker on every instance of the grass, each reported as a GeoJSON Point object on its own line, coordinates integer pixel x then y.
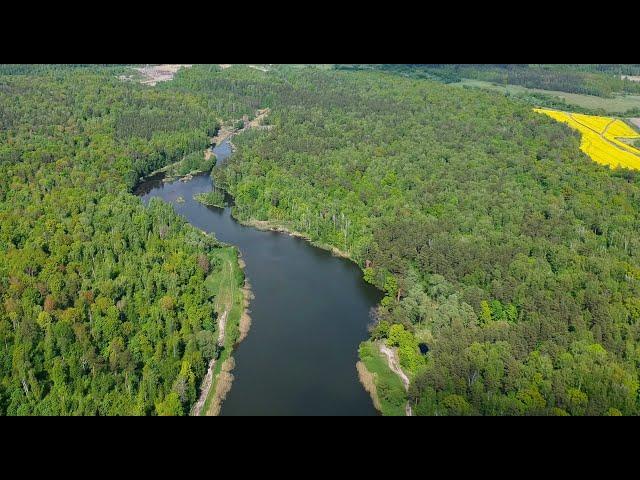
{"type": "Point", "coordinates": [225, 283]}
{"type": "Point", "coordinates": [601, 138]}
{"type": "Point", "coordinates": [389, 389]}
{"type": "Point", "coordinates": [618, 104]}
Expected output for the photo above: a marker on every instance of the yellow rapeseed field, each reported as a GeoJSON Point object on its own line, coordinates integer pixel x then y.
{"type": "Point", "coordinates": [601, 137]}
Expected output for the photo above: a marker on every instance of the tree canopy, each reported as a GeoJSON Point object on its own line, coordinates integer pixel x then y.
{"type": "Point", "coordinates": [500, 245]}
{"type": "Point", "coordinates": [103, 304]}
{"type": "Point", "coordinates": [495, 239]}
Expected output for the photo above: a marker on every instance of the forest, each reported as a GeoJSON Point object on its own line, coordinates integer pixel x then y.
{"type": "Point", "coordinates": [496, 241]}
{"type": "Point", "coordinates": [104, 308]}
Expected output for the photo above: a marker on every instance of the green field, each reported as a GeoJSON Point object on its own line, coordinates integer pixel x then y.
{"type": "Point", "coordinates": [618, 104]}
{"type": "Point", "coordinates": [225, 283]}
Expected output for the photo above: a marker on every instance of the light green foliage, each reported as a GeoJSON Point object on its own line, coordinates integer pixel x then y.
{"type": "Point", "coordinates": [496, 311]}
{"type": "Point", "coordinates": [391, 289]}
{"type": "Point", "coordinates": [170, 406]}
{"type": "Point", "coordinates": [369, 275]}
{"type": "Point", "coordinates": [485, 312]}
{"type": "Point", "coordinates": [410, 358]}
{"type": "Point", "coordinates": [213, 198]}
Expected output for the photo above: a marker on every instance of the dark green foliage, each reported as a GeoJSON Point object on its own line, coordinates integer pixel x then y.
{"type": "Point", "coordinates": [410, 70]}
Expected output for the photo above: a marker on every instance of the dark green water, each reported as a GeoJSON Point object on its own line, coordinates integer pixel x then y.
{"type": "Point", "coordinates": [309, 314]}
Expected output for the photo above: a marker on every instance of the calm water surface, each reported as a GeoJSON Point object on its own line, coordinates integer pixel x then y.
{"type": "Point", "coordinates": [309, 314]}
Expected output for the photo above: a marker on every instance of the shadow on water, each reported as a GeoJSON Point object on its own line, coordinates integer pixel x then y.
{"type": "Point", "coordinates": [309, 314]}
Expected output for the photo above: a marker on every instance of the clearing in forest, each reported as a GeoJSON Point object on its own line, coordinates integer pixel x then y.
{"type": "Point", "coordinates": [603, 138]}
{"type": "Point", "coordinates": [152, 74]}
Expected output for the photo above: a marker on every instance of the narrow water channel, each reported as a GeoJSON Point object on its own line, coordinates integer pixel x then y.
{"type": "Point", "coordinates": [309, 314]}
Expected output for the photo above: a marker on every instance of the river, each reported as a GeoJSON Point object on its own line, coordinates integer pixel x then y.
{"type": "Point", "coordinates": [309, 314]}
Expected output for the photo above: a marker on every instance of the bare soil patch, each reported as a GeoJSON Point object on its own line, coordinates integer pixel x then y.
{"type": "Point", "coordinates": [152, 74]}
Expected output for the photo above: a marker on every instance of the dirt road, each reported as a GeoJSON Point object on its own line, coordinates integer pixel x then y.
{"type": "Point", "coordinates": [206, 383]}
{"type": "Point", "coordinates": [604, 137]}
{"type": "Point", "coordinates": [394, 365]}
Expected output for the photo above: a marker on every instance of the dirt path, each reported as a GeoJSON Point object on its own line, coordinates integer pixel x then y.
{"type": "Point", "coordinates": [394, 365]}
{"type": "Point", "coordinates": [208, 379]}
{"type": "Point", "coordinates": [603, 135]}
{"type": "Point", "coordinates": [604, 132]}
{"type": "Point", "coordinates": [257, 121]}
{"type": "Point", "coordinates": [224, 301]}
{"type": "Point", "coordinates": [226, 131]}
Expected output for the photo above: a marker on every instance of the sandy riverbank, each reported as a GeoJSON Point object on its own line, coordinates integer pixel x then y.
{"type": "Point", "coordinates": [268, 225]}
{"type": "Point", "coordinates": [368, 381]}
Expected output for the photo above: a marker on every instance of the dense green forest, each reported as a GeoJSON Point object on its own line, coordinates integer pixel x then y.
{"type": "Point", "coordinates": [104, 308]}
{"type": "Point", "coordinates": [496, 241]}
